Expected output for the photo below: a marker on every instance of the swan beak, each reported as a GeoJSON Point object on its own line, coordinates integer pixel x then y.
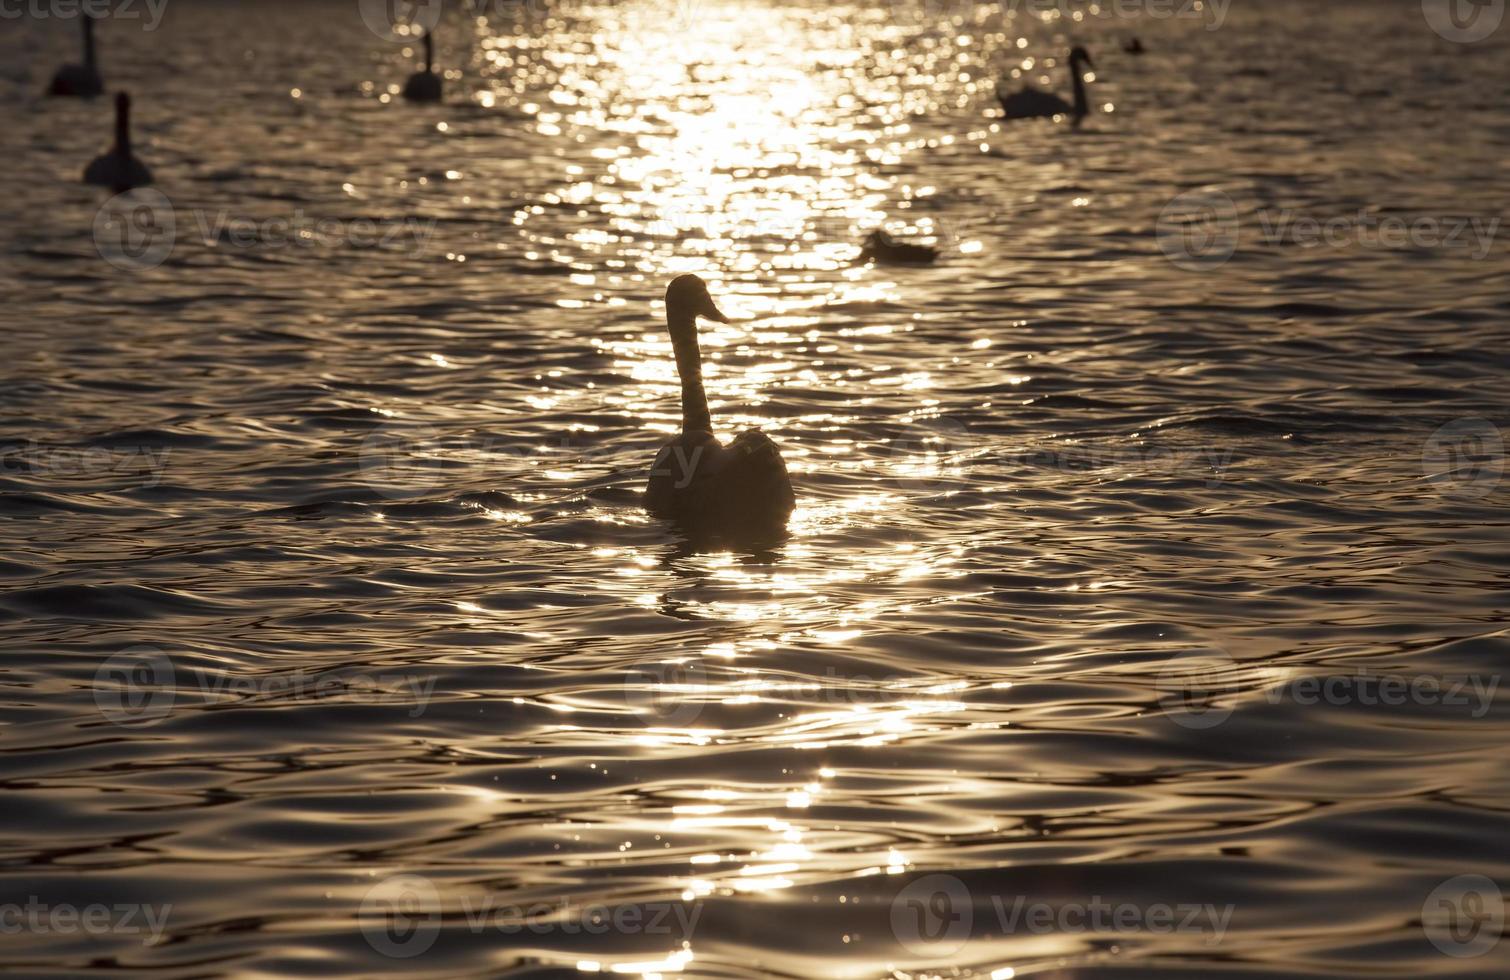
{"type": "Point", "coordinates": [714, 313]}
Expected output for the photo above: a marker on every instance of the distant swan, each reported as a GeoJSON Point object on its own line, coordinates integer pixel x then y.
{"type": "Point", "coordinates": [739, 488]}
{"type": "Point", "coordinates": [118, 169]}
{"type": "Point", "coordinates": [424, 86]}
{"type": "Point", "coordinates": [882, 249]}
{"type": "Point", "coordinates": [1031, 103]}
{"type": "Point", "coordinates": [82, 80]}
{"type": "Point", "coordinates": [1133, 46]}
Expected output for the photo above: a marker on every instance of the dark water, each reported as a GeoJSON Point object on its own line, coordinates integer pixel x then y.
{"type": "Point", "coordinates": [1156, 602]}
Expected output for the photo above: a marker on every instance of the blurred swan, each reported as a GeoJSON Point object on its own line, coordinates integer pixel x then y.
{"type": "Point", "coordinates": [1031, 103]}
{"type": "Point", "coordinates": [882, 249]}
{"type": "Point", "coordinates": [118, 169]}
{"type": "Point", "coordinates": [696, 481]}
{"type": "Point", "coordinates": [81, 80]}
{"type": "Point", "coordinates": [424, 86]}
{"type": "Point", "coordinates": [1133, 46]}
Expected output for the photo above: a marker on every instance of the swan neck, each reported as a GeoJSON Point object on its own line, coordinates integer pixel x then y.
{"type": "Point", "coordinates": [689, 366]}
{"type": "Point", "coordinates": [122, 128]}
{"type": "Point", "coordinates": [89, 41]}
{"type": "Point", "coordinates": [1082, 104]}
{"type": "Point", "coordinates": [429, 53]}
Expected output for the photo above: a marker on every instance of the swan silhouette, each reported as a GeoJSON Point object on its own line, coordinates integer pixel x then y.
{"type": "Point", "coordinates": [882, 249]}
{"type": "Point", "coordinates": [80, 80]}
{"type": "Point", "coordinates": [118, 169]}
{"type": "Point", "coordinates": [1031, 103]}
{"type": "Point", "coordinates": [739, 489]}
{"type": "Point", "coordinates": [424, 86]}
{"type": "Point", "coordinates": [1133, 46]}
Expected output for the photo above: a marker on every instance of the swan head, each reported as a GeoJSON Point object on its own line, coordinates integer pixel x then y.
{"type": "Point", "coordinates": [688, 296]}
{"type": "Point", "coordinates": [1078, 55]}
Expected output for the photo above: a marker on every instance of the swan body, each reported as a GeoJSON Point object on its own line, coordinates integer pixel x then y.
{"type": "Point", "coordinates": [882, 249]}
{"type": "Point", "coordinates": [696, 480]}
{"type": "Point", "coordinates": [1031, 103]}
{"type": "Point", "coordinates": [80, 80]}
{"type": "Point", "coordinates": [119, 169]}
{"type": "Point", "coordinates": [425, 86]}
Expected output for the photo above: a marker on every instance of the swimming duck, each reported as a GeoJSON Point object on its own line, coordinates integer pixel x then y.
{"type": "Point", "coordinates": [882, 249]}
{"type": "Point", "coordinates": [80, 80]}
{"type": "Point", "coordinates": [697, 481]}
{"type": "Point", "coordinates": [1031, 103]}
{"type": "Point", "coordinates": [118, 169]}
{"type": "Point", "coordinates": [424, 86]}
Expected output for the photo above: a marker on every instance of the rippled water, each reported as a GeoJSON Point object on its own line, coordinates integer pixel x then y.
{"type": "Point", "coordinates": [335, 632]}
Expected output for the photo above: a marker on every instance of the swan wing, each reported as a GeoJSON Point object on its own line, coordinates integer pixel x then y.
{"type": "Point", "coordinates": [742, 486]}
{"type": "Point", "coordinates": [754, 478]}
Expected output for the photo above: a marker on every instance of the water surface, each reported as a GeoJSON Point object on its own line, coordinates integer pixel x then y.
{"type": "Point", "coordinates": [327, 591]}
